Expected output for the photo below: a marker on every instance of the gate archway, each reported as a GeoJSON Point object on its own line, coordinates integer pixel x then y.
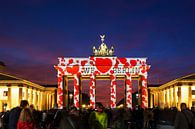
{"type": "Point", "coordinates": [104, 65]}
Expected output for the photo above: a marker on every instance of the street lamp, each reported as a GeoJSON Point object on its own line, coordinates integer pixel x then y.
{"type": "Point", "coordinates": [70, 96]}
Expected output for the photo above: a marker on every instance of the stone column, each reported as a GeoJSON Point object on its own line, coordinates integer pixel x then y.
{"type": "Point", "coordinates": [20, 94]}
{"type": "Point", "coordinates": [128, 83]}
{"type": "Point", "coordinates": [42, 101]}
{"type": "Point", "coordinates": [92, 91]}
{"type": "Point", "coordinates": [190, 97]}
{"type": "Point", "coordinates": [163, 98]}
{"type": "Point", "coordinates": [179, 97]}
{"type": "Point", "coordinates": [61, 97]}
{"type": "Point", "coordinates": [53, 100]}
{"type": "Point", "coordinates": [144, 92]}
{"type": "Point", "coordinates": [80, 92]}
{"type": "Point", "coordinates": [113, 91]}
{"type": "Point", "coordinates": [176, 95]}
{"type": "Point", "coordinates": [174, 99]}
{"type": "Point", "coordinates": [65, 92]}
{"type": "Point", "coordinates": [30, 95]}
{"type": "Point", "coordinates": [166, 98]}
{"type": "Point", "coordinates": [9, 98]}
{"type": "Point", "coordinates": [48, 100]}
{"type": "Point", "coordinates": [45, 100]}
{"type": "Point", "coordinates": [37, 99]}
{"type": "Point", "coordinates": [76, 91]}
{"type": "Point", "coordinates": [140, 91]}
{"type": "Point", "coordinates": [151, 100]}
{"type": "Point", "coordinates": [170, 96]}
{"type": "Point", "coordinates": [156, 99]}
{"type": "Point", "coordinates": [14, 96]}
{"type": "Point", "coordinates": [34, 97]}
{"type": "Point", "coordinates": [25, 93]}
{"type": "Point", "coordinates": [55, 97]}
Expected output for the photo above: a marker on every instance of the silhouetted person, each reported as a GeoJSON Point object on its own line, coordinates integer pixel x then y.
{"type": "Point", "coordinates": [37, 115]}
{"type": "Point", "coordinates": [66, 122]}
{"type": "Point", "coordinates": [138, 117]}
{"type": "Point", "coordinates": [26, 120]}
{"type": "Point", "coordinates": [183, 118]}
{"type": "Point", "coordinates": [98, 119]}
{"type": "Point", "coordinates": [15, 113]}
{"type": "Point", "coordinates": [118, 121]}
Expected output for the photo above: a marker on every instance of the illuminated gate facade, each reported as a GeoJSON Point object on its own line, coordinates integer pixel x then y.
{"type": "Point", "coordinates": [101, 64]}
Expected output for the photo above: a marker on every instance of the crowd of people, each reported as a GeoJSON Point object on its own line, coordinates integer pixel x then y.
{"type": "Point", "coordinates": [26, 117]}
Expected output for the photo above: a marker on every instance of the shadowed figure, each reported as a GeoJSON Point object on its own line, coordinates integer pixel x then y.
{"type": "Point", "coordinates": [67, 121]}
{"type": "Point", "coordinates": [183, 118]}
{"type": "Point", "coordinates": [98, 119]}
{"type": "Point", "coordinates": [26, 120]}
{"type": "Point", "coordinates": [15, 113]}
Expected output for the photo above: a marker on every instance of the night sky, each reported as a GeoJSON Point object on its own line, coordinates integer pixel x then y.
{"type": "Point", "coordinates": [34, 33]}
